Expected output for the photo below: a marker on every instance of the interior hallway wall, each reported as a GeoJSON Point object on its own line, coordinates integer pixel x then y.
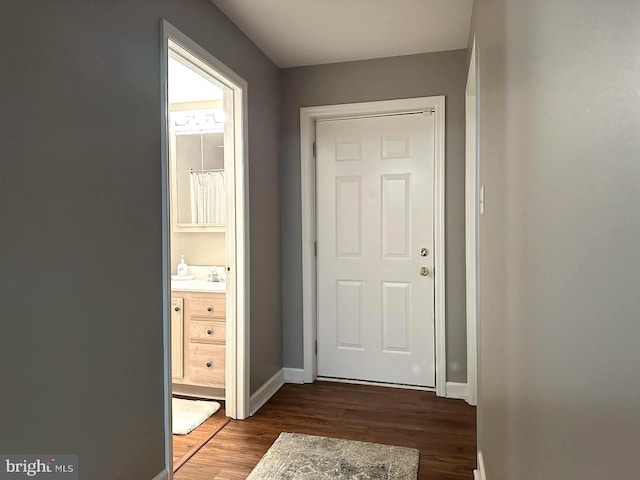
{"type": "Point", "coordinates": [559, 371]}
{"type": "Point", "coordinates": [80, 204]}
{"type": "Point", "coordinates": [441, 73]}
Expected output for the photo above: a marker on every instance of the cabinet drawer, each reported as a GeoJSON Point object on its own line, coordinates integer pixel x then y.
{"type": "Point", "coordinates": [205, 364]}
{"type": "Point", "coordinates": [208, 331]}
{"type": "Point", "coordinates": [208, 307]}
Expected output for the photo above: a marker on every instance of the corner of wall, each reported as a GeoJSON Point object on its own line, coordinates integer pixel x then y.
{"type": "Point", "coordinates": [265, 392]}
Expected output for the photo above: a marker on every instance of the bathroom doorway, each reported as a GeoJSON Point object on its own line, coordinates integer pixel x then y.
{"type": "Point", "coordinates": [205, 224]}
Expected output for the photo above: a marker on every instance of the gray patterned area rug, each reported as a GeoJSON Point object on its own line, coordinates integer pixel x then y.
{"type": "Point", "coordinates": [294, 456]}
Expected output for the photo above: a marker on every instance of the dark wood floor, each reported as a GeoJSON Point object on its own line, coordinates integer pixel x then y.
{"type": "Point", "coordinates": [184, 444]}
{"type": "Point", "coordinates": [443, 430]}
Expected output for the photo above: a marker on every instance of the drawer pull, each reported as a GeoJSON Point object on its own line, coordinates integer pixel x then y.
{"type": "Point", "coordinates": [177, 309]}
{"type": "Point", "coordinates": [209, 332]}
{"type": "Point", "coordinates": [208, 364]}
{"type": "Point", "coordinates": [209, 309]}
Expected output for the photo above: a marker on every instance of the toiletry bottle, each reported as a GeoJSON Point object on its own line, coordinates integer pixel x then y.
{"type": "Point", "coordinates": [182, 267]}
{"type": "Point", "coordinates": [212, 276]}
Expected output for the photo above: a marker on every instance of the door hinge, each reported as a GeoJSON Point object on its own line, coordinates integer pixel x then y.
{"type": "Point", "coordinates": [315, 249]}
{"type": "Point", "coordinates": [316, 347]}
{"type": "Point", "coordinates": [314, 149]}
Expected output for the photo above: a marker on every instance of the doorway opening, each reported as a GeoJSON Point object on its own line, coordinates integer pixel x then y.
{"type": "Point", "coordinates": [397, 146]}
{"type": "Point", "coordinates": [205, 241]}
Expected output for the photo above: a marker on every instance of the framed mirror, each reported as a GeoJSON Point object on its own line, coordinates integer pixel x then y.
{"type": "Point", "coordinates": [197, 118]}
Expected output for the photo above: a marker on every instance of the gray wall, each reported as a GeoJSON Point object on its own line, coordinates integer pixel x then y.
{"type": "Point", "coordinates": [80, 249]}
{"type": "Point", "coordinates": [442, 73]}
{"type": "Point", "coordinates": [559, 327]}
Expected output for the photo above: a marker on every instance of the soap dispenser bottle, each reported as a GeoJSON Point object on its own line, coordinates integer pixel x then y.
{"type": "Point", "coordinates": [183, 269]}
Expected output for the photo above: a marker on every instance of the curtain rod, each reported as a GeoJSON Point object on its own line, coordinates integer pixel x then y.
{"type": "Point", "coordinates": [206, 171]}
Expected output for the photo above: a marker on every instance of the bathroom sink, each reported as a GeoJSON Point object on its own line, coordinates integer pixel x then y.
{"type": "Point", "coordinates": [182, 278]}
{"type": "Point", "coordinates": [198, 286]}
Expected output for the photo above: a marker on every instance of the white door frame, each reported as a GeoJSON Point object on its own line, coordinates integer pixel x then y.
{"type": "Point", "coordinates": [472, 222]}
{"type": "Point", "coordinates": [237, 241]}
{"type": "Point", "coordinates": [308, 118]}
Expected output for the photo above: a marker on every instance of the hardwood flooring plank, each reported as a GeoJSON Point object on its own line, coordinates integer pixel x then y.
{"type": "Point", "coordinates": [443, 430]}
{"type": "Point", "coordinates": [183, 444]}
{"type": "Point", "coordinates": [185, 458]}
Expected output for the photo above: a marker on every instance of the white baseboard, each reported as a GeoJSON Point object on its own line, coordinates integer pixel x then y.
{"type": "Point", "coordinates": [293, 375]}
{"type": "Point", "coordinates": [458, 390]}
{"type": "Point", "coordinates": [476, 475]}
{"type": "Point", "coordinates": [266, 391]}
{"type": "Point", "coordinates": [163, 475]}
{"type": "Point", "coordinates": [481, 473]}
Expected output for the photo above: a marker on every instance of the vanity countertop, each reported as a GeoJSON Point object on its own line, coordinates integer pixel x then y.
{"type": "Point", "coordinates": [198, 286]}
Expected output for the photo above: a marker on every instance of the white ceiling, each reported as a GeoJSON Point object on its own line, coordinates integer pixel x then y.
{"type": "Point", "coordinates": [309, 32]}
{"type": "Point", "coordinates": [188, 85]}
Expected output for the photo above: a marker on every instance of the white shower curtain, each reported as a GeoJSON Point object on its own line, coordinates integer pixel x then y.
{"type": "Point", "coordinates": [207, 197]}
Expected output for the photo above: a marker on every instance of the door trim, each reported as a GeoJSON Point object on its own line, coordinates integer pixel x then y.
{"type": "Point", "coordinates": [237, 243]}
{"type": "Point", "coordinates": [472, 224]}
{"type": "Point", "coordinates": [308, 118]}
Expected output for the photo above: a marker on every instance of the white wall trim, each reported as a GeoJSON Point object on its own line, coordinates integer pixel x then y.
{"type": "Point", "coordinates": [293, 375]}
{"type": "Point", "coordinates": [166, 253]}
{"type": "Point", "coordinates": [307, 172]}
{"type": "Point", "coordinates": [266, 391]}
{"type": "Point", "coordinates": [472, 222]}
{"type": "Point", "coordinates": [163, 475]}
{"type": "Point", "coordinates": [458, 390]}
{"type": "Point", "coordinates": [308, 118]}
{"type": "Point", "coordinates": [482, 475]}
{"type": "Point", "coordinates": [439, 224]}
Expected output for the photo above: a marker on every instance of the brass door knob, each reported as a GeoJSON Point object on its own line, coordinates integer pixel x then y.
{"type": "Point", "coordinates": [424, 271]}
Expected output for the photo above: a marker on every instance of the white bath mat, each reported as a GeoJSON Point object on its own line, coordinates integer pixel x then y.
{"type": "Point", "coordinates": [189, 414]}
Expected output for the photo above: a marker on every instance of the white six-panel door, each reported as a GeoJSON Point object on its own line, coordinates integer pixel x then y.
{"type": "Point", "coordinates": [375, 215]}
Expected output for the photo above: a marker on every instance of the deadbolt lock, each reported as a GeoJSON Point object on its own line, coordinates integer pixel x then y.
{"type": "Point", "coordinates": [424, 271]}
{"type": "Point", "coordinates": [424, 252]}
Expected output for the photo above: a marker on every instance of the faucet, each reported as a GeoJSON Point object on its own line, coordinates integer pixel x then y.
{"type": "Point", "coordinates": [212, 276]}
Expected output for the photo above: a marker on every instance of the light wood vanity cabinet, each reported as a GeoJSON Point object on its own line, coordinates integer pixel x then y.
{"type": "Point", "coordinates": [198, 352]}
{"type": "Point", "coordinates": [177, 343]}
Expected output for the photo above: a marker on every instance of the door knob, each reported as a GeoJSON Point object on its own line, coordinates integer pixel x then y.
{"type": "Point", "coordinates": [424, 271]}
